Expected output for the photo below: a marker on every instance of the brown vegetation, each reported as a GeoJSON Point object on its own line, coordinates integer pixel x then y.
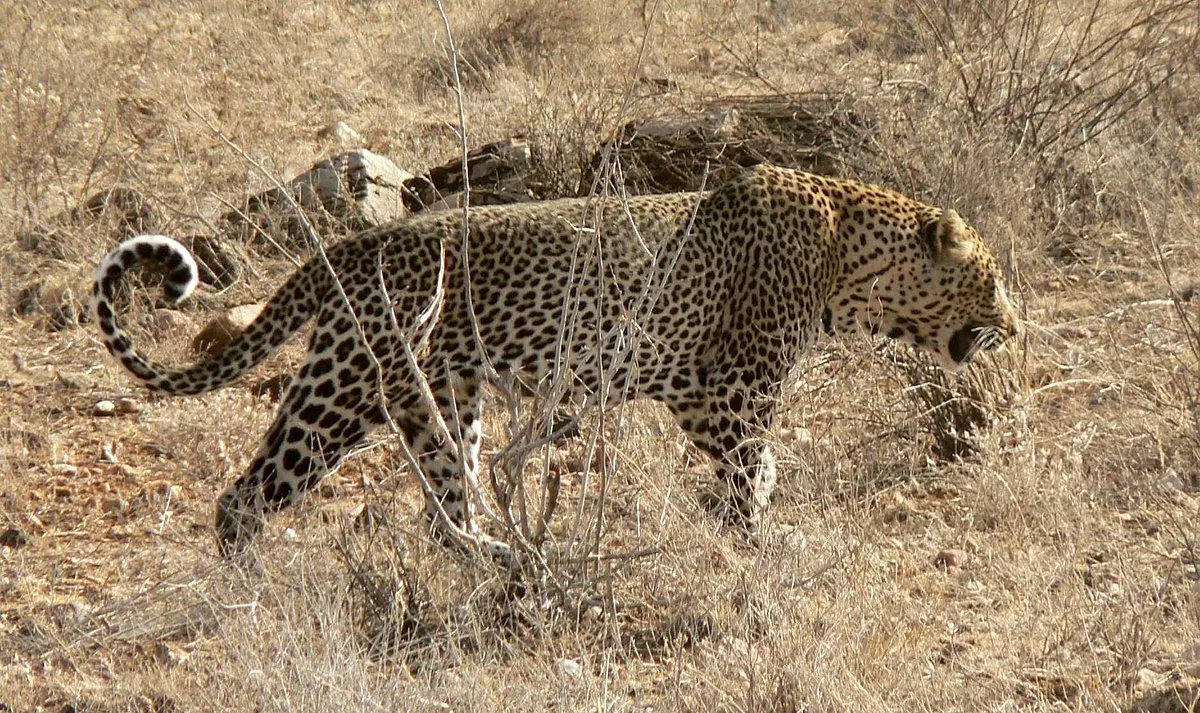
{"type": "Point", "coordinates": [1023, 537]}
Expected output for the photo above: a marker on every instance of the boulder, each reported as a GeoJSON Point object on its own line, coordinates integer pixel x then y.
{"type": "Point", "coordinates": [342, 194]}
{"type": "Point", "coordinates": [224, 328]}
{"type": "Point", "coordinates": [498, 174]}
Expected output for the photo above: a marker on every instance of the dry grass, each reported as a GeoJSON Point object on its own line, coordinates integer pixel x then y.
{"type": "Point", "coordinates": [1055, 568]}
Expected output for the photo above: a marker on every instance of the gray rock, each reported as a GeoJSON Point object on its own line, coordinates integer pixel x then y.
{"type": "Point", "coordinates": [342, 194]}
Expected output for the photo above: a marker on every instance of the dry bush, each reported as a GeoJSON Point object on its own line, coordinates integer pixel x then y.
{"type": "Point", "coordinates": [530, 36]}
{"type": "Point", "coordinates": [48, 121]}
{"type": "Point", "coordinates": [1057, 76]}
{"type": "Point", "coordinates": [813, 132]}
{"type": "Point", "coordinates": [1182, 297]}
{"type": "Point", "coordinates": [957, 410]}
{"type": "Point", "coordinates": [565, 126]}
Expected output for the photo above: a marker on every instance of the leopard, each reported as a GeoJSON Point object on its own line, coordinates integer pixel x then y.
{"type": "Point", "coordinates": [701, 300]}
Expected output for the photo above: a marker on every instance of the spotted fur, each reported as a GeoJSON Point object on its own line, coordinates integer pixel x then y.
{"type": "Point", "coordinates": [702, 301]}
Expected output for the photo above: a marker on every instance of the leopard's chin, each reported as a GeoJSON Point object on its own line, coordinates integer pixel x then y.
{"type": "Point", "coordinates": [964, 343]}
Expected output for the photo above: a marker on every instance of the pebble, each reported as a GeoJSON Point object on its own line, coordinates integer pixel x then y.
{"type": "Point", "coordinates": [127, 405]}
{"type": "Point", "coordinates": [797, 437]}
{"type": "Point", "coordinates": [569, 669]}
{"type": "Point", "coordinates": [170, 321]}
{"type": "Point", "coordinates": [107, 407]}
{"type": "Point", "coordinates": [346, 134]}
{"type": "Point", "coordinates": [14, 538]}
{"type": "Point", "coordinates": [1148, 679]}
{"type": "Point", "coordinates": [1171, 482]}
{"type": "Point", "coordinates": [950, 559]}
{"type": "Point", "coordinates": [222, 330]}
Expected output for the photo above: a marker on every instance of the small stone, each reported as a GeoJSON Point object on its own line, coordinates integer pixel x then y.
{"type": "Point", "coordinates": [14, 538]}
{"type": "Point", "coordinates": [222, 330]}
{"type": "Point", "coordinates": [64, 469]}
{"type": "Point", "coordinates": [170, 321]}
{"type": "Point", "coordinates": [289, 535]}
{"type": "Point", "coordinates": [1171, 482]}
{"type": "Point", "coordinates": [1148, 679]}
{"type": "Point", "coordinates": [114, 504]}
{"type": "Point", "coordinates": [345, 134]}
{"type": "Point", "coordinates": [104, 408]}
{"type": "Point", "coordinates": [569, 669]}
{"type": "Point", "coordinates": [796, 437]}
{"type": "Point", "coordinates": [950, 559]}
{"type": "Point", "coordinates": [127, 406]}
{"type": "Point", "coordinates": [273, 387]}
{"type": "Point", "coordinates": [594, 614]}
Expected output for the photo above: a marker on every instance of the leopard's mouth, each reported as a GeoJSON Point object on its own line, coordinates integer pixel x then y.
{"type": "Point", "coordinates": [970, 339]}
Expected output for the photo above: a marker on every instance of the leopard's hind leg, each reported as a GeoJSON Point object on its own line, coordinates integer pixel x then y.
{"type": "Point", "coordinates": [331, 405]}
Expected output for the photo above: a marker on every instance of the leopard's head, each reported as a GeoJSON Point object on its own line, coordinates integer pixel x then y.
{"type": "Point", "coordinates": [937, 286]}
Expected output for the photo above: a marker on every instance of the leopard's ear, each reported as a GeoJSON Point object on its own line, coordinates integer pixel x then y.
{"type": "Point", "coordinates": [945, 237]}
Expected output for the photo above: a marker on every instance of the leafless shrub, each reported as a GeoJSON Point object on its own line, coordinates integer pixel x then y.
{"type": "Point", "coordinates": [565, 127]}
{"type": "Point", "coordinates": [956, 410]}
{"type": "Point", "coordinates": [890, 29]}
{"type": "Point", "coordinates": [529, 34]}
{"type": "Point", "coordinates": [1188, 374]}
{"type": "Point", "coordinates": [1032, 86]}
{"type": "Point", "coordinates": [384, 594]}
{"type": "Point", "coordinates": [50, 127]}
{"type": "Point", "coordinates": [1054, 76]}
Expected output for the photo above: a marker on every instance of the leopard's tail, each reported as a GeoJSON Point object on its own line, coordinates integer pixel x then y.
{"type": "Point", "coordinates": [287, 311]}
